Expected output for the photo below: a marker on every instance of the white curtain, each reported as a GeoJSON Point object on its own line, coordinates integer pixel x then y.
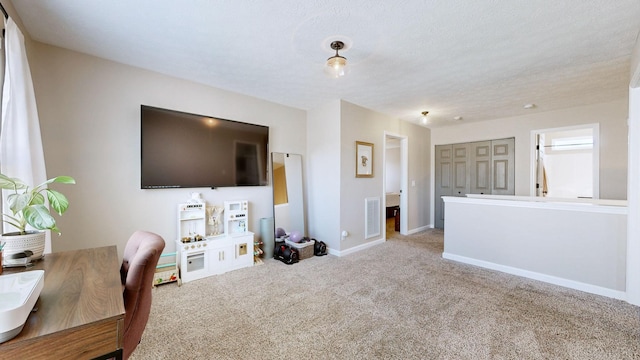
{"type": "Point", "coordinates": [21, 153]}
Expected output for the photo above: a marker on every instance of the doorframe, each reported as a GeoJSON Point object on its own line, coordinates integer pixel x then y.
{"type": "Point", "coordinates": [633, 192]}
{"type": "Point", "coordinates": [595, 155]}
{"type": "Point", "coordinates": [404, 176]}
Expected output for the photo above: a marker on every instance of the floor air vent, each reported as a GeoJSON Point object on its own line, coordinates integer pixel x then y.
{"type": "Point", "coordinates": [372, 217]}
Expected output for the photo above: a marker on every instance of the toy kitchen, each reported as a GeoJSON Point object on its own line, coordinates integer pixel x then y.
{"type": "Point", "coordinates": [206, 246]}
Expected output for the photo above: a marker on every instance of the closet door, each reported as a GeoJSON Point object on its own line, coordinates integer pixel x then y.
{"type": "Point", "coordinates": [480, 167]}
{"type": "Point", "coordinates": [461, 176]}
{"type": "Point", "coordinates": [483, 167]}
{"type": "Point", "coordinates": [503, 167]}
{"type": "Point", "coordinates": [443, 181]}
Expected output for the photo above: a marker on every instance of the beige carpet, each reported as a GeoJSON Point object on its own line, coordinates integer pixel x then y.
{"type": "Point", "coordinates": [398, 300]}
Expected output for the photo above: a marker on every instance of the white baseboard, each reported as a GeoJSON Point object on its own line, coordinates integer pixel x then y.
{"type": "Point", "coordinates": [589, 288]}
{"type": "Point", "coordinates": [355, 249]}
{"type": "Point", "coordinates": [373, 243]}
{"type": "Point", "coordinates": [417, 230]}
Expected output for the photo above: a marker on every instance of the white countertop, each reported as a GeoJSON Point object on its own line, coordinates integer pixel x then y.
{"type": "Point", "coordinates": [588, 205]}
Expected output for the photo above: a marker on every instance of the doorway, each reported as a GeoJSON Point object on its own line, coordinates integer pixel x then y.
{"type": "Point", "coordinates": [394, 184]}
{"type": "Point", "coordinates": [566, 162]}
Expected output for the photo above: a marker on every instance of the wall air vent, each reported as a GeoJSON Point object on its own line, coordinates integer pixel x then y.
{"type": "Point", "coordinates": [372, 217]}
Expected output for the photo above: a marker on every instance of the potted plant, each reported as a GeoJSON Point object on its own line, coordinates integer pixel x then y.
{"type": "Point", "coordinates": [27, 207]}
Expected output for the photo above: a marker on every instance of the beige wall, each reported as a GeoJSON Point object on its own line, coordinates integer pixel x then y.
{"type": "Point", "coordinates": [336, 196]}
{"type": "Point", "coordinates": [611, 116]}
{"type": "Point", "coordinates": [90, 120]}
{"type": "Point", "coordinates": [361, 124]}
{"type": "Point", "coordinates": [323, 175]}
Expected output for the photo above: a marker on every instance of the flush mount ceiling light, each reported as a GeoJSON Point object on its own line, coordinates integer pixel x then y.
{"type": "Point", "coordinates": [529, 106]}
{"type": "Point", "coordinates": [424, 117]}
{"type": "Point", "coordinates": [336, 65]}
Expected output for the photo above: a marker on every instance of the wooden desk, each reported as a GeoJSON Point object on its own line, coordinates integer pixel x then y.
{"type": "Point", "coordinates": [80, 313]}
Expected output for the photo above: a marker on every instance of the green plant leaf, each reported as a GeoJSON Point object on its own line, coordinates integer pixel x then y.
{"type": "Point", "coordinates": [38, 199]}
{"type": "Point", "coordinates": [11, 183]}
{"type": "Point", "coordinates": [64, 180]}
{"type": "Point", "coordinates": [15, 222]}
{"type": "Point", "coordinates": [38, 216]}
{"type": "Point", "coordinates": [57, 201]}
{"type": "Point", "coordinates": [17, 202]}
{"type": "Point", "coordinates": [27, 204]}
{"type": "Point", "coordinates": [59, 179]}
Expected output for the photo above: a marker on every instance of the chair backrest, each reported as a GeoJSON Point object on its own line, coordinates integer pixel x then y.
{"type": "Point", "coordinates": [139, 263]}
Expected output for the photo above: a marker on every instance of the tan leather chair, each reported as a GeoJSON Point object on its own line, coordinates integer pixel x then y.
{"type": "Point", "coordinates": [139, 263]}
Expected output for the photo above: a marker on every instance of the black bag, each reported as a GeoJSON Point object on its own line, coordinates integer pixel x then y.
{"type": "Point", "coordinates": [319, 248]}
{"type": "Point", "coordinates": [287, 254]}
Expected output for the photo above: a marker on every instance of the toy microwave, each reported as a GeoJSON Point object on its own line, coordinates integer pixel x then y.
{"type": "Point", "coordinates": [236, 216]}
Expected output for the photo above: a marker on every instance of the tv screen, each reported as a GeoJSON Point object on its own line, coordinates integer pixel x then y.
{"type": "Point", "coordinates": [182, 150]}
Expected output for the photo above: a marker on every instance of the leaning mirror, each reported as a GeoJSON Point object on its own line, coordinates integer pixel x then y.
{"type": "Point", "coordinates": [288, 197]}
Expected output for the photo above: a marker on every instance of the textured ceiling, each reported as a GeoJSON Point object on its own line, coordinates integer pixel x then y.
{"type": "Point", "coordinates": [481, 59]}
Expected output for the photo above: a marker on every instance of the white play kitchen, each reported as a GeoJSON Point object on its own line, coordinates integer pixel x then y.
{"type": "Point", "coordinates": [203, 249]}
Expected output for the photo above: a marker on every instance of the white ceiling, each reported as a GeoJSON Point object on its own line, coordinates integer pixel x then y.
{"type": "Point", "coordinates": [481, 59]}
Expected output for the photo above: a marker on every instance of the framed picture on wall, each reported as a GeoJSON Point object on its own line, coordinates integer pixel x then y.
{"type": "Point", "coordinates": [364, 159]}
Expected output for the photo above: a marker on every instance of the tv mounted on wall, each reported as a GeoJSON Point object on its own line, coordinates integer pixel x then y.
{"type": "Point", "coordinates": [182, 150]}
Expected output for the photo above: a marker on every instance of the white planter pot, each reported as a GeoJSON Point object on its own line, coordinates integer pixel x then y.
{"type": "Point", "coordinates": [16, 245]}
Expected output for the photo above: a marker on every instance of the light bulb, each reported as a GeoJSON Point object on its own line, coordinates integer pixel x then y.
{"type": "Point", "coordinates": [424, 117]}
{"type": "Point", "coordinates": [336, 66]}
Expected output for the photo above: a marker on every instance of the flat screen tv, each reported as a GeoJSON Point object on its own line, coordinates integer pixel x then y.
{"type": "Point", "coordinates": [182, 150]}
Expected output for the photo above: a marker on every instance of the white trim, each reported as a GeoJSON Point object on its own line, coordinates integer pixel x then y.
{"type": "Point", "coordinates": [422, 228]}
{"type": "Point", "coordinates": [633, 196]}
{"type": "Point", "coordinates": [593, 289]}
{"type": "Point", "coordinates": [404, 204]}
{"type": "Point", "coordinates": [634, 75]}
{"type": "Point", "coordinates": [355, 249]}
{"type": "Point", "coordinates": [606, 202]}
{"type": "Point", "coordinates": [595, 153]}
{"type": "Point", "coordinates": [633, 180]}
{"type": "Point", "coordinates": [586, 205]}
{"type": "Point", "coordinates": [404, 176]}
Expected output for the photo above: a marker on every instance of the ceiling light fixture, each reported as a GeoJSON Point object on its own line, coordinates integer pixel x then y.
{"type": "Point", "coordinates": [457, 118]}
{"type": "Point", "coordinates": [336, 65]}
{"type": "Point", "coordinates": [424, 117]}
{"type": "Point", "coordinates": [529, 106]}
